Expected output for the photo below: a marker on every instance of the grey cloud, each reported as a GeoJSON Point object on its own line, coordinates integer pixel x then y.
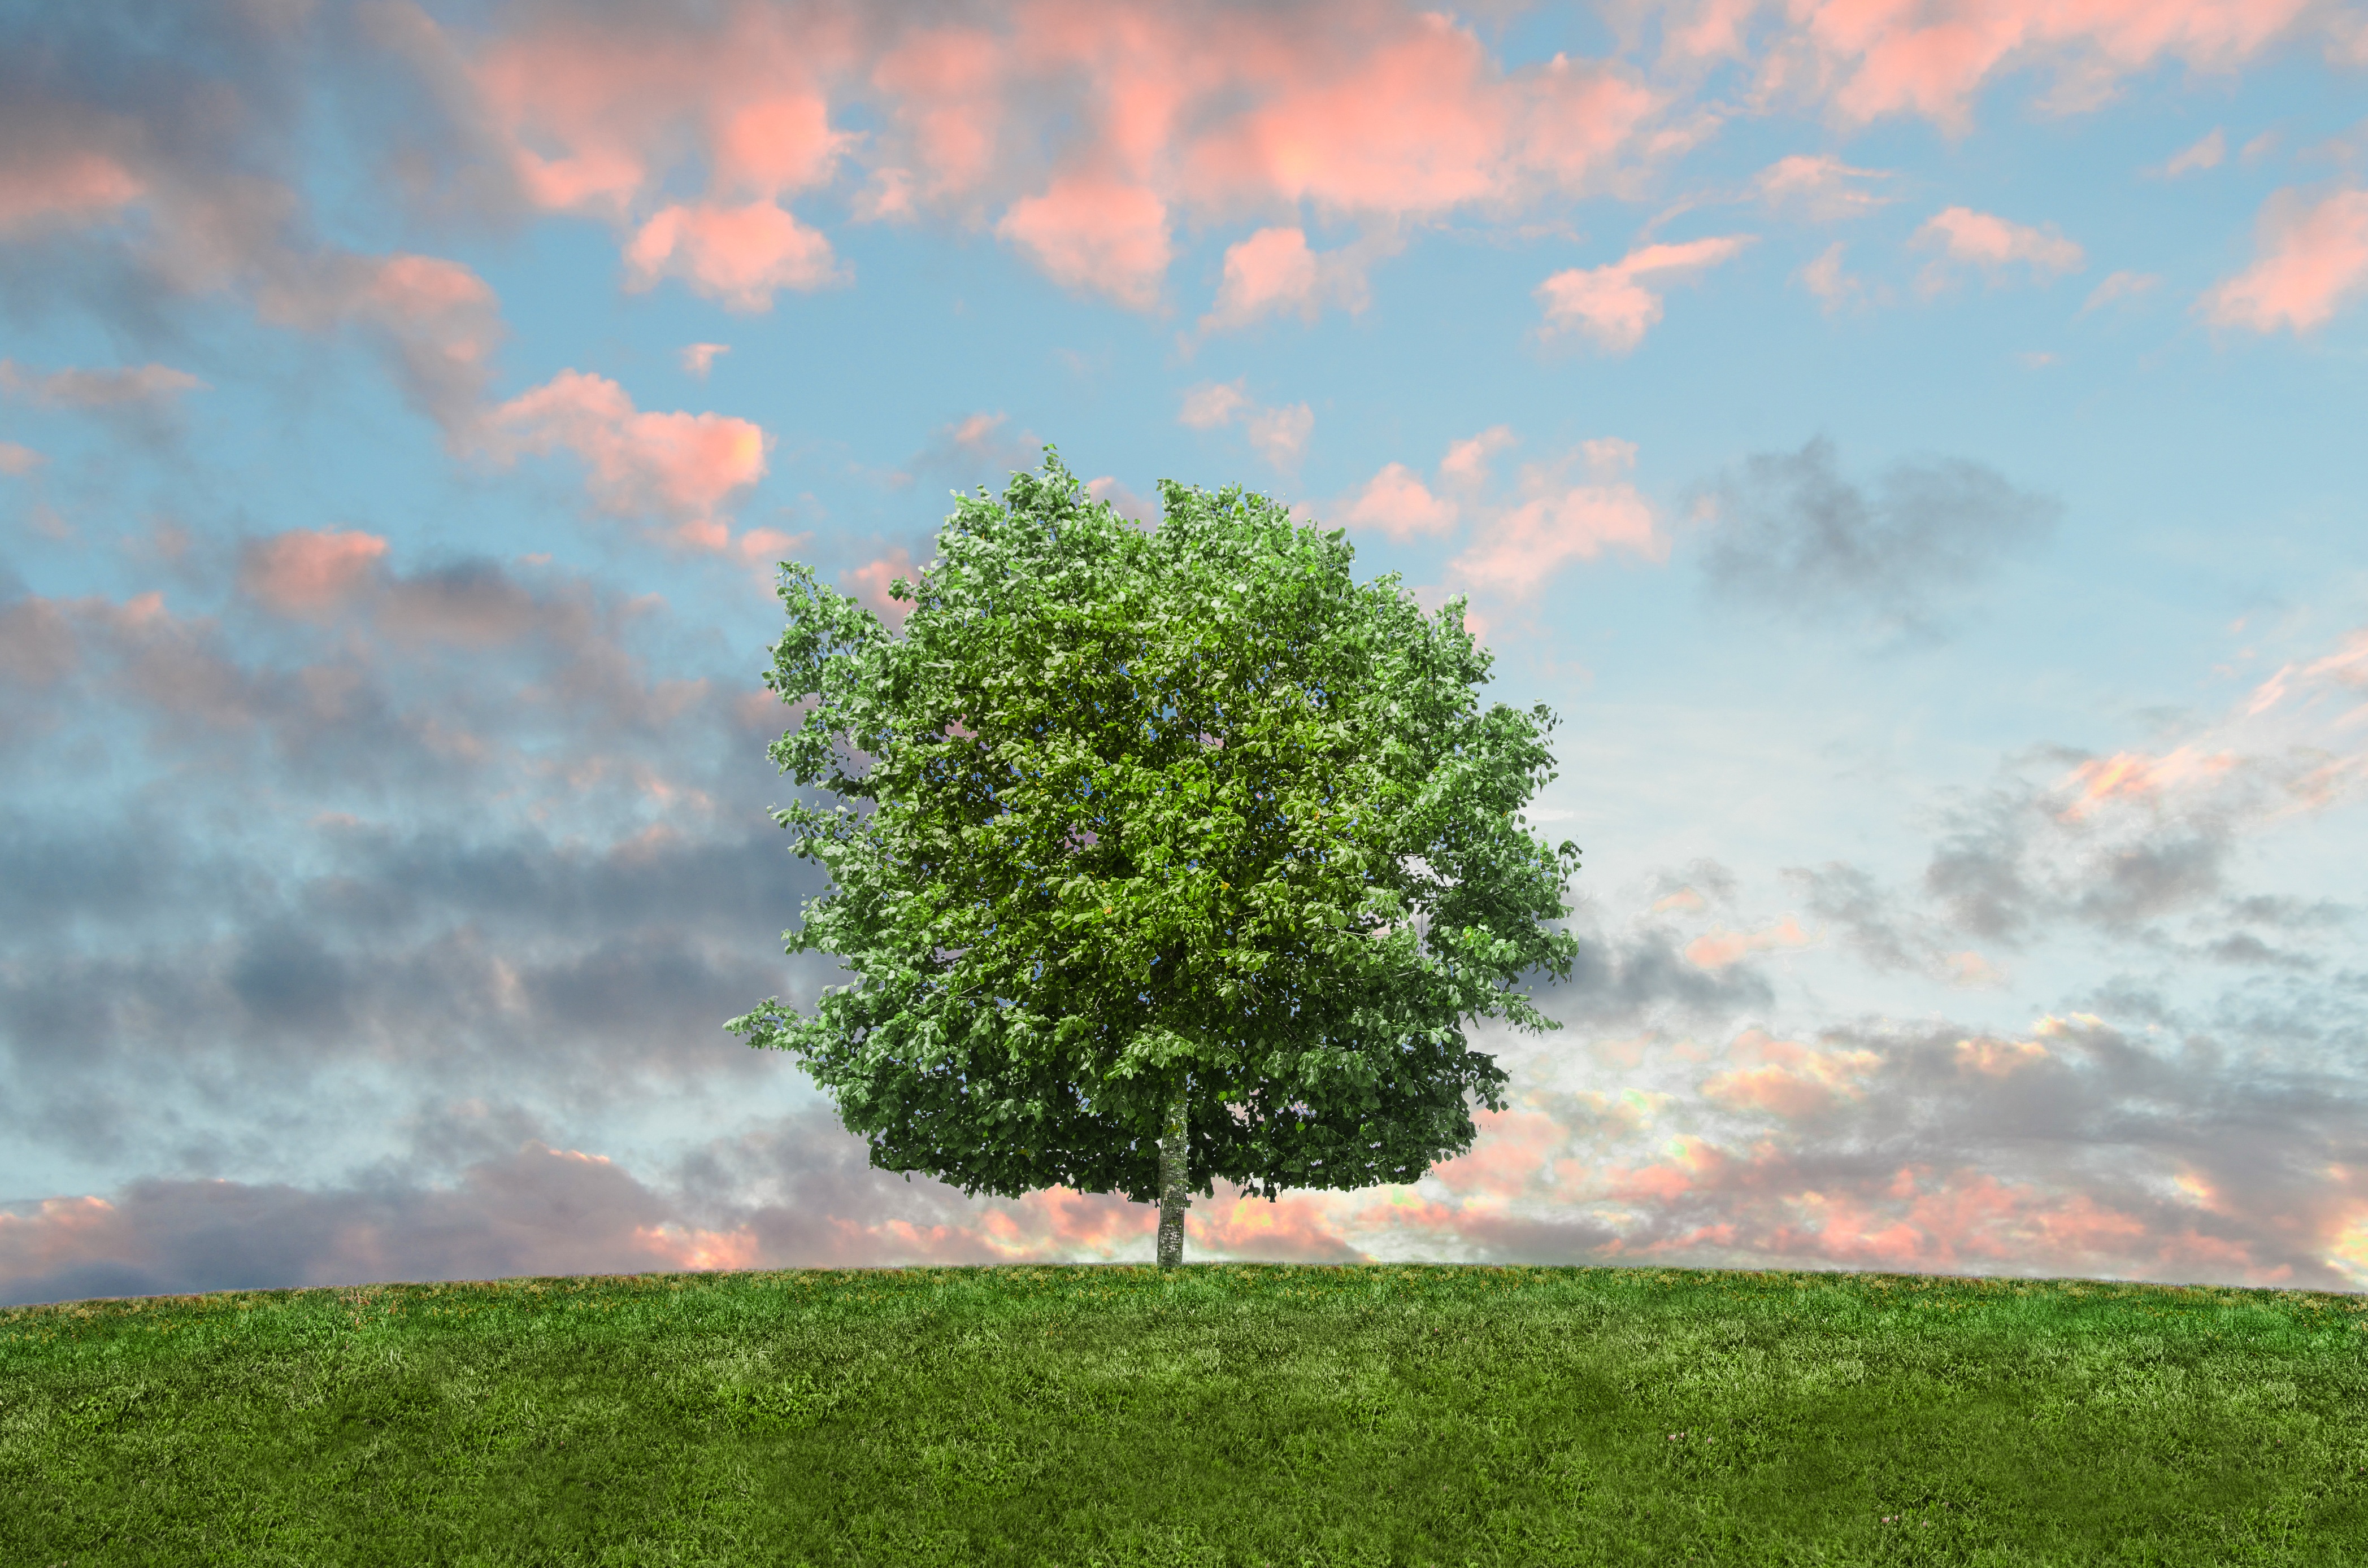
{"type": "Point", "coordinates": [204, 113]}
{"type": "Point", "coordinates": [1790, 534]}
{"type": "Point", "coordinates": [464, 985]}
{"type": "Point", "coordinates": [465, 830]}
{"type": "Point", "coordinates": [1870, 918]}
{"type": "Point", "coordinates": [2012, 861]}
{"type": "Point", "coordinates": [974, 450]}
{"type": "Point", "coordinates": [2286, 913]}
{"type": "Point", "coordinates": [2139, 882]}
{"type": "Point", "coordinates": [1954, 1149]}
{"type": "Point", "coordinates": [1714, 882]}
{"type": "Point", "coordinates": [1623, 980]}
{"type": "Point", "coordinates": [536, 1211]}
{"type": "Point", "coordinates": [523, 1208]}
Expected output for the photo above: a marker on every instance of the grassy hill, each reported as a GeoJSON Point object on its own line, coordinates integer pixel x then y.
{"type": "Point", "coordinates": [1222, 1415]}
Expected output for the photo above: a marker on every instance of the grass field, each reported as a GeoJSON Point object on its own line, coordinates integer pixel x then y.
{"type": "Point", "coordinates": [1220, 1415]}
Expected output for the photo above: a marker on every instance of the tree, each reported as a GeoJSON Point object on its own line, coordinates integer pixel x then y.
{"type": "Point", "coordinates": [1158, 856]}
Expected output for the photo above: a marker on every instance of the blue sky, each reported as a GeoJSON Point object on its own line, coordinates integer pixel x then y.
{"type": "Point", "coordinates": [1912, 448]}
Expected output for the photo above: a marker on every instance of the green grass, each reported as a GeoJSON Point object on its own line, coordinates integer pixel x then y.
{"type": "Point", "coordinates": [1221, 1414]}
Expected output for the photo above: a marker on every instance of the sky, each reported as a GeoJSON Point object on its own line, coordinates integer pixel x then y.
{"type": "Point", "coordinates": [1904, 440]}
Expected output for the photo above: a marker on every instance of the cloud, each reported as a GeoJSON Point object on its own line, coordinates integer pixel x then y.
{"type": "Point", "coordinates": [2311, 259]}
{"type": "Point", "coordinates": [1274, 271]}
{"type": "Point", "coordinates": [62, 187]}
{"type": "Point", "coordinates": [1870, 61]}
{"type": "Point", "coordinates": [1610, 306]}
{"type": "Point", "coordinates": [1397, 504]}
{"type": "Point", "coordinates": [74, 388]}
{"type": "Point", "coordinates": [1466, 462]}
{"type": "Point", "coordinates": [501, 836]}
{"type": "Point", "coordinates": [1140, 113]}
{"type": "Point", "coordinates": [1819, 187]}
{"type": "Point", "coordinates": [17, 461]}
{"type": "Point", "coordinates": [738, 254]}
{"type": "Point", "coordinates": [1098, 233]}
{"type": "Point", "coordinates": [1279, 435]}
{"type": "Point", "coordinates": [1518, 550]}
{"type": "Point", "coordinates": [307, 571]}
{"type": "Point", "coordinates": [1992, 243]}
{"type": "Point", "coordinates": [2207, 153]}
{"type": "Point", "coordinates": [698, 358]}
{"type": "Point", "coordinates": [2118, 287]}
{"type": "Point", "coordinates": [1880, 927]}
{"type": "Point", "coordinates": [589, 115]}
{"type": "Point", "coordinates": [1518, 539]}
{"type": "Point", "coordinates": [1719, 948]}
{"type": "Point", "coordinates": [1789, 533]}
{"type": "Point", "coordinates": [1124, 502]}
{"type": "Point", "coordinates": [872, 582]}
{"type": "Point", "coordinates": [972, 448]}
{"type": "Point", "coordinates": [681, 467]}
{"type": "Point", "coordinates": [2123, 840]}
{"type": "Point", "coordinates": [435, 319]}
{"type": "Point", "coordinates": [1825, 278]}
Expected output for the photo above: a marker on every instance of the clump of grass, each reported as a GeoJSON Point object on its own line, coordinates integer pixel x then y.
{"type": "Point", "coordinates": [1217, 1414]}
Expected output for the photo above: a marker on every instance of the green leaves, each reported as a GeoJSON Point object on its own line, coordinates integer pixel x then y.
{"type": "Point", "coordinates": [1122, 811]}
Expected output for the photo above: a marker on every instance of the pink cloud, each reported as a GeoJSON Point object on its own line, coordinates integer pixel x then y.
{"type": "Point", "coordinates": [1095, 232]}
{"type": "Point", "coordinates": [1515, 1149]}
{"type": "Point", "coordinates": [37, 641]}
{"type": "Point", "coordinates": [2129, 775]}
{"type": "Point", "coordinates": [2311, 259]}
{"type": "Point", "coordinates": [97, 388]}
{"type": "Point", "coordinates": [1280, 435]}
{"type": "Point", "coordinates": [1998, 1058]}
{"type": "Point", "coordinates": [774, 142]}
{"type": "Point", "coordinates": [1785, 1078]}
{"type": "Point", "coordinates": [737, 255]}
{"type": "Point", "coordinates": [1401, 115]}
{"type": "Point", "coordinates": [1878, 57]}
{"type": "Point", "coordinates": [2119, 286]}
{"type": "Point", "coordinates": [947, 85]}
{"type": "Point", "coordinates": [1351, 108]}
{"type": "Point", "coordinates": [1993, 244]}
{"type": "Point", "coordinates": [438, 319]}
{"type": "Point", "coordinates": [2206, 154]}
{"type": "Point", "coordinates": [1825, 278]}
{"type": "Point", "coordinates": [1610, 305]}
{"type": "Point", "coordinates": [595, 117]}
{"type": "Point", "coordinates": [871, 583]}
{"type": "Point", "coordinates": [70, 184]}
{"type": "Point", "coordinates": [1720, 947]}
{"type": "Point", "coordinates": [1465, 466]}
{"type": "Point", "coordinates": [1124, 502]}
{"type": "Point", "coordinates": [681, 466]}
{"type": "Point", "coordinates": [1819, 186]}
{"type": "Point", "coordinates": [1274, 271]}
{"type": "Point", "coordinates": [17, 461]}
{"type": "Point", "coordinates": [592, 114]}
{"type": "Point", "coordinates": [698, 358]}
{"type": "Point", "coordinates": [1519, 549]}
{"type": "Point", "coordinates": [1396, 502]}
{"type": "Point", "coordinates": [976, 432]}
{"type": "Point", "coordinates": [306, 571]}
{"type": "Point", "coordinates": [1212, 404]}
{"type": "Point", "coordinates": [1409, 127]}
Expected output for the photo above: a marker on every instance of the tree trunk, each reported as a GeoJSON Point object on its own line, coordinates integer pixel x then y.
{"type": "Point", "coordinates": [1174, 1181]}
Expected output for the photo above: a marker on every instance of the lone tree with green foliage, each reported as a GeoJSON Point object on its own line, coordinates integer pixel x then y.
{"type": "Point", "coordinates": [1157, 856]}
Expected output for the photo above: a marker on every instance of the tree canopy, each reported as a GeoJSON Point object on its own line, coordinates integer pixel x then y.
{"type": "Point", "coordinates": [1180, 833]}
